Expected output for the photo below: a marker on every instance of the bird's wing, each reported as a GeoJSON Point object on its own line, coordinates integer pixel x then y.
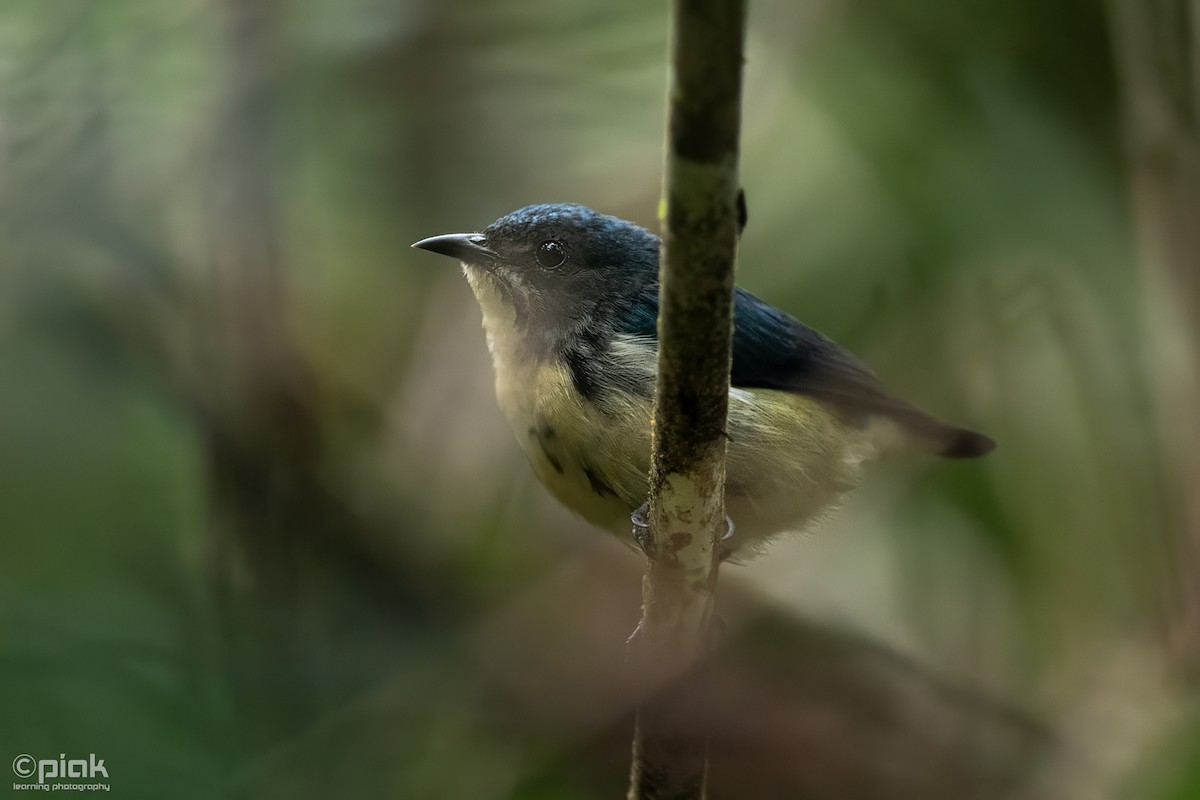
{"type": "Point", "coordinates": [773, 350]}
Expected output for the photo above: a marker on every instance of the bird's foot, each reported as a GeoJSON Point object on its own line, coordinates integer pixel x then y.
{"type": "Point", "coordinates": [641, 529]}
{"type": "Point", "coordinates": [725, 547]}
{"type": "Point", "coordinates": [642, 535]}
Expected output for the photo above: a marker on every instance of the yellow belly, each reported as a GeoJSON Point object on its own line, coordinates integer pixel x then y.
{"type": "Point", "coordinates": [594, 462]}
{"type": "Point", "coordinates": [788, 457]}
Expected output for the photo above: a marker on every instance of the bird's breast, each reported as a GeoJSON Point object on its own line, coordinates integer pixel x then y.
{"type": "Point", "coordinates": [594, 460]}
{"type": "Point", "coordinates": [593, 456]}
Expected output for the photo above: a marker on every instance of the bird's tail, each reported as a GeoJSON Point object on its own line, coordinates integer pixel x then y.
{"type": "Point", "coordinates": [947, 441]}
{"type": "Point", "coordinates": [962, 443]}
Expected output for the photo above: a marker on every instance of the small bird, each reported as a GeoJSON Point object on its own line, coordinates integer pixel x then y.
{"type": "Point", "coordinates": [570, 307]}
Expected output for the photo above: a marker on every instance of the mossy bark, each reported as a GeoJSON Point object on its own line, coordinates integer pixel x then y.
{"type": "Point", "coordinates": [687, 480]}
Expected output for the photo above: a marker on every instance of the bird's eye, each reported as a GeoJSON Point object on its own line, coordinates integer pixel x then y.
{"type": "Point", "coordinates": [551, 254]}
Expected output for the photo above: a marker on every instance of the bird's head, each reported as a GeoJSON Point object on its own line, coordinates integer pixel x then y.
{"type": "Point", "coordinates": [555, 271]}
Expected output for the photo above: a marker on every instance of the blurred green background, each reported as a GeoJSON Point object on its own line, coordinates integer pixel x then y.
{"type": "Point", "coordinates": [264, 532]}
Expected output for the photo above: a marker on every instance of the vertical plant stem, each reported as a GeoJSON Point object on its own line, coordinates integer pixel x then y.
{"type": "Point", "coordinates": [1158, 56]}
{"type": "Point", "coordinates": [687, 479]}
{"type": "Point", "coordinates": [262, 441]}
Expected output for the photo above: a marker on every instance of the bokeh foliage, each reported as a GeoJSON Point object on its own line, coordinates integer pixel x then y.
{"type": "Point", "coordinates": [351, 585]}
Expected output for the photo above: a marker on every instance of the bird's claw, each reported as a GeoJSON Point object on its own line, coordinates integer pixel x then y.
{"type": "Point", "coordinates": [726, 549]}
{"type": "Point", "coordinates": [640, 518]}
{"type": "Point", "coordinates": [641, 529]}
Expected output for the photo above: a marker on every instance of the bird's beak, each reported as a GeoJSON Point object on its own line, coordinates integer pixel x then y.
{"type": "Point", "coordinates": [466, 247]}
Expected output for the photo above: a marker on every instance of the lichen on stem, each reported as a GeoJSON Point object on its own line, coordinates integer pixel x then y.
{"type": "Point", "coordinates": [686, 505]}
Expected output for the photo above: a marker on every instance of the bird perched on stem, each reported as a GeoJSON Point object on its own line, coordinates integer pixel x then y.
{"type": "Point", "coordinates": [570, 307]}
